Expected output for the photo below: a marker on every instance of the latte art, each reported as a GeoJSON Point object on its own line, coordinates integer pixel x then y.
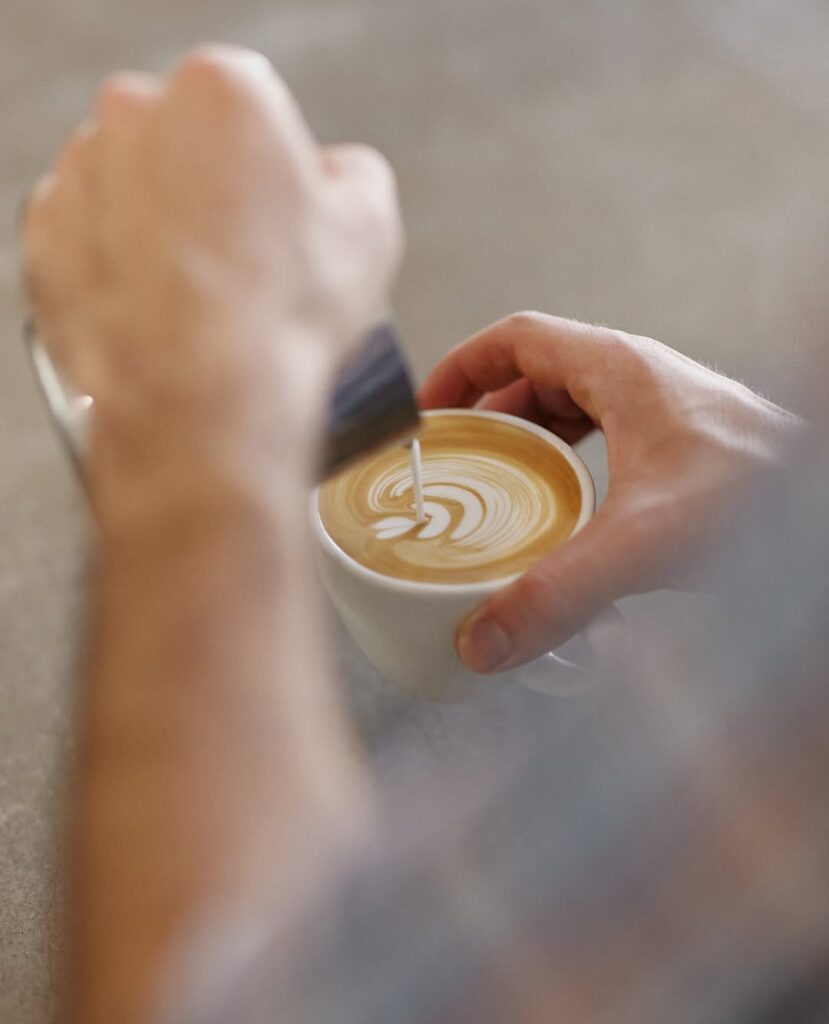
{"type": "Point", "coordinates": [496, 497]}
{"type": "Point", "coordinates": [489, 505]}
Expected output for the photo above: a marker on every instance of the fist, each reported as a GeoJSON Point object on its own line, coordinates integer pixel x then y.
{"type": "Point", "coordinates": [192, 238]}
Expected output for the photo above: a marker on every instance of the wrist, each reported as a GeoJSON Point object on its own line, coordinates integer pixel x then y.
{"type": "Point", "coordinates": [170, 440]}
{"type": "Point", "coordinates": [138, 480]}
{"type": "Point", "coordinates": [138, 491]}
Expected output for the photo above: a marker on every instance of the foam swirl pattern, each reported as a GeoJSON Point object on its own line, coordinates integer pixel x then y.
{"type": "Point", "coordinates": [496, 497]}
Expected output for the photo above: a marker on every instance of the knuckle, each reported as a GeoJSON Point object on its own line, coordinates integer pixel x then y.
{"type": "Point", "coordinates": [112, 93]}
{"type": "Point", "coordinates": [375, 190]}
{"type": "Point", "coordinates": [539, 600]}
{"type": "Point", "coordinates": [373, 174]}
{"type": "Point", "coordinates": [638, 352]}
{"type": "Point", "coordinates": [206, 67]}
{"type": "Point", "coordinates": [376, 163]}
{"type": "Point", "coordinates": [547, 595]}
{"type": "Point", "coordinates": [631, 359]}
{"type": "Point", "coordinates": [217, 68]}
{"type": "Point", "coordinates": [526, 319]}
{"type": "Point", "coordinates": [642, 373]}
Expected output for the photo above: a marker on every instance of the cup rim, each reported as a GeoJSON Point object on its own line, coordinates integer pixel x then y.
{"type": "Point", "coordinates": [483, 587]}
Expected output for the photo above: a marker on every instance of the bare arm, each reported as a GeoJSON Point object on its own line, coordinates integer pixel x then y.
{"type": "Point", "coordinates": [214, 767]}
{"type": "Point", "coordinates": [215, 777]}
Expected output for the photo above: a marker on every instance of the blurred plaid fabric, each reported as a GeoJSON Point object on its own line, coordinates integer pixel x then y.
{"type": "Point", "coordinates": [657, 851]}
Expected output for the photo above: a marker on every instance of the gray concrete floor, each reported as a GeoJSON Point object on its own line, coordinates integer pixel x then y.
{"type": "Point", "coordinates": [658, 165]}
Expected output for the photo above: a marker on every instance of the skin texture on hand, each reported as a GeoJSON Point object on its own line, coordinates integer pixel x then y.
{"type": "Point", "coordinates": [682, 444]}
{"type": "Point", "coordinates": [187, 223]}
{"type": "Point", "coordinates": [199, 265]}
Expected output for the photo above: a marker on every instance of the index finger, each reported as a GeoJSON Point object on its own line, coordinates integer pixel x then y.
{"type": "Point", "coordinates": [549, 351]}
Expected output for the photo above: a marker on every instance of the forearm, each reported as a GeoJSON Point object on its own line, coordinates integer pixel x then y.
{"type": "Point", "coordinates": [201, 790]}
{"type": "Point", "coordinates": [203, 302]}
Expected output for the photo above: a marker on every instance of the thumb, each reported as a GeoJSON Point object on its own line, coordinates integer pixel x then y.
{"type": "Point", "coordinates": [560, 595]}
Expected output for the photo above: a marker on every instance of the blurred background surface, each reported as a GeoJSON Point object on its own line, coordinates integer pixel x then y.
{"type": "Point", "coordinates": [656, 165]}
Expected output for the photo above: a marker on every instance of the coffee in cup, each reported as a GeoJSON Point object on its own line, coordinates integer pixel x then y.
{"type": "Point", "coordinates": [400, 594]}
{"type": "Point", "coordinates": [496, 498]}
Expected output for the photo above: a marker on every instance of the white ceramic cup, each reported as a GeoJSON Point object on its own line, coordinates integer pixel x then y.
{"type": "Point", "coordinates": [407, 628]}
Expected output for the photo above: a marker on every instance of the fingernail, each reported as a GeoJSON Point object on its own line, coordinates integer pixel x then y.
{"type": "Point", "coordinates": [482, 644]}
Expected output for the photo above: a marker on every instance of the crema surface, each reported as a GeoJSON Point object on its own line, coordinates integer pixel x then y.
{"type": "Point", "coordinates": [497, 498]}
